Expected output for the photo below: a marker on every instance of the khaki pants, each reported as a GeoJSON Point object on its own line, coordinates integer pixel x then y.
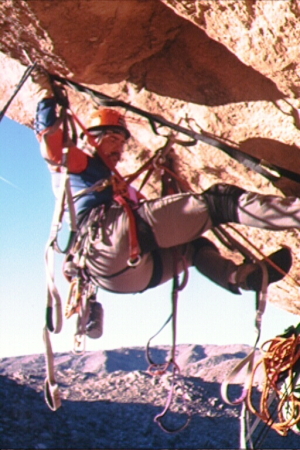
{"type": "Point", "coordinates": [177, 221]}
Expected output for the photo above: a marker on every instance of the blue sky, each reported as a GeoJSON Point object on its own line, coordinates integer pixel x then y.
{"type": "Point", "coordinates": [207, 313]}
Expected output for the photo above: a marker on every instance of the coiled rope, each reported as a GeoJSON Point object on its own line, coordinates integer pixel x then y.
{"type": "Point", "coordinates": [280, 363]}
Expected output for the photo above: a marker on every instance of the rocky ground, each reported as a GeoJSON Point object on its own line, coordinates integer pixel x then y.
{"type": "Point", "coordinates": [109, 401]}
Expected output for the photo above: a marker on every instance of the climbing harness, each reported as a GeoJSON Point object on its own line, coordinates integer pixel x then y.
{"type": "Point", "coordinates": [79, 298]}
{"type": "Point", "coordinates": [271, 172]}
{"type": "Point", "coordinates": [280, 361]}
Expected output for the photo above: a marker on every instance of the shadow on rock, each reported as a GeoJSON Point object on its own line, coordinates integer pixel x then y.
{"type": "Point", "coordinates": [28, 423]}
{"type": "Point", "coordinates": [278, 153]}
{"type": "Point", "coordinates": [198, 69]}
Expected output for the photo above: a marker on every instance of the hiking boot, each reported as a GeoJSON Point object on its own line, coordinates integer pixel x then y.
{"type": "Point", "coordinates": [250, 276]}
{"type": "Point", "coordinates": [94, 326]}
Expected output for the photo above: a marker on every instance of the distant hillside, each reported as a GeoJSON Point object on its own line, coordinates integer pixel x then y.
{"type": "Point", "coordinates": [109, 401]}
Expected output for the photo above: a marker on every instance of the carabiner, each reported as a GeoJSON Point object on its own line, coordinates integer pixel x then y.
{"type": "Point", "coordinates": [134, 262]}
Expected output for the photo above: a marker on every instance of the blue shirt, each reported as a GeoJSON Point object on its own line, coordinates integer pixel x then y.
{"type": "Point", "coordinates": [95, 171]}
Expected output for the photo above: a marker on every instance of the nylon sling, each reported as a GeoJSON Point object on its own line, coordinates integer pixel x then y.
{"type": "Point", "coordinates": [256, 164]}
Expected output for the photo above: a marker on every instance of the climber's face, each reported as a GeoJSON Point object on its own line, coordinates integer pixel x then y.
{"type": "Point", "coordinates": [112, 145]}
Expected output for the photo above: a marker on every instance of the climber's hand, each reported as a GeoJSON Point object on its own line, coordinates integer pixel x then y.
{"type": "Point", "coordinates": [41, 79]}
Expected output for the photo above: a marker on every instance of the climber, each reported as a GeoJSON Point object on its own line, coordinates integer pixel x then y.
{"type": "Point", "coordinates": [176, 221]}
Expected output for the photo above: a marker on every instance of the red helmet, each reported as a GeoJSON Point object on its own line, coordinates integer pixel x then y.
{"type": "Point", "coordinates": [108, 119]}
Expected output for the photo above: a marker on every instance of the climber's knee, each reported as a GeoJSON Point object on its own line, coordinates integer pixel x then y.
{"type": "Point", "coordinates": [209, 262]}
{"type": "Point", "coordinates": [222, 202]}
{"type": "Point", "coordinates": [201, 244]}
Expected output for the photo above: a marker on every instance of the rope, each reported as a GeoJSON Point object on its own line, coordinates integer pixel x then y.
{"type": "Point", "coordinates": [158, 161]}
{"type": "Point", "coordinates": [51, 390]}
{"type": "Point", "coordinates": [26, 75]}
{"type": "Point", "coordinates": [160, 369]}
{"type": "Point", "coordinates": [265, 257]}
{"type": "Point", "coordinates": [288, 400]}
{"type": "Point", "coordinates": [259, 165]}
{"type": "Point", "coordinates": [121, 184]}
{"type": "Point", "coordinates": [120, 188]}
{"type": "Point", "coordinates": [248, 361]}
{"type": "Point", "coordinates": [278, 363]}
{"type": "Point", "coordinates": [52, 395]}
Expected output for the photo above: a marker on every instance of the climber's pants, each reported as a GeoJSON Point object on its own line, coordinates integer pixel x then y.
{"type": "Point", "coordinates": [269, 211]}
{"type": "Point", "coordinates": [177, 221]}
{"type": "Point", "coordinates": [167, 232]}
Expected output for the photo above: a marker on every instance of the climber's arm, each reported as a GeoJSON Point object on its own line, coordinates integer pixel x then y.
{"type": "Point", "coordinates": [45, 115]}
{"type": "Point", "coordinates": [50, 136]}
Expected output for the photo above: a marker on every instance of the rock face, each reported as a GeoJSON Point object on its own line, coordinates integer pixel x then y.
{"type": "Point", "coordinates": [229, 68]}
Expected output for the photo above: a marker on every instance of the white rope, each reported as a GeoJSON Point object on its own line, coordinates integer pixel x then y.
{"type": "Point", "coordinates": [64, 199]}
{"type": "Point", "coordinates": [51, 390]}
